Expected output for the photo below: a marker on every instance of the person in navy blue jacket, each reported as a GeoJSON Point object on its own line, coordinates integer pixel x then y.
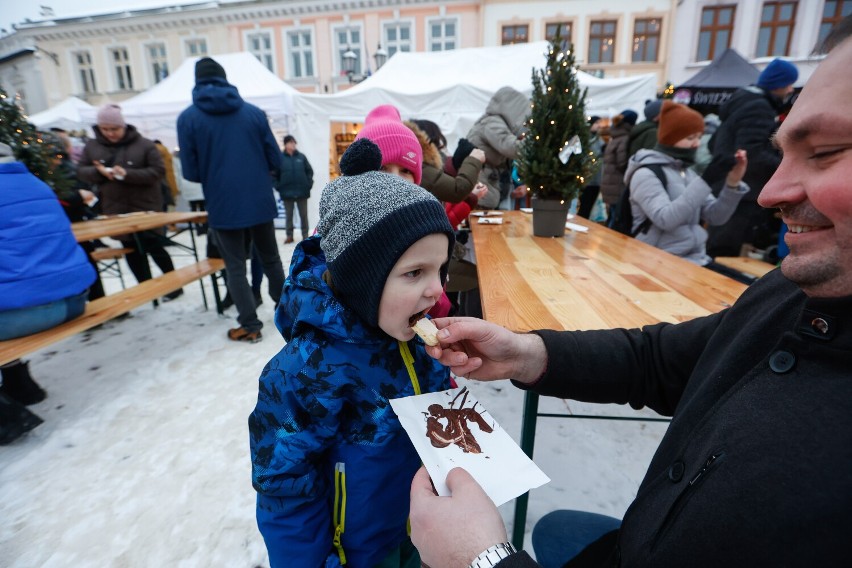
{"type": "Point", "coordinates": [44, 274]}
{"type": "Point", "coordinates": [226, 145]}
{"type": "Point", "coordinates": [294, 184]}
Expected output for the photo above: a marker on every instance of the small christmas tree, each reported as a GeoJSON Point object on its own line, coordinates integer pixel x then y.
{"type": "Point", "coordinates": [555, 160]}
{"type": "Point", "coordinates": [39, 151]}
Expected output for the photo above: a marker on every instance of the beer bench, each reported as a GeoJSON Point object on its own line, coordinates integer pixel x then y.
{"type": "Point", "coordinates": [109, 307]}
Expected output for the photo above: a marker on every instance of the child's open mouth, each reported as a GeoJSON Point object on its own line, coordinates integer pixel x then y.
{"type": "Point", "coordinates": [419, 315]}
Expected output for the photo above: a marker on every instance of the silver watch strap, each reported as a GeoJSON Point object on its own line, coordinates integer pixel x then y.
{"type": "Point", "coordinates": [492, 555]}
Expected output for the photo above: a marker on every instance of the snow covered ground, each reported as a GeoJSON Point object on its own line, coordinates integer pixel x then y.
{"type": "Point", "coordinates": [143, 457]}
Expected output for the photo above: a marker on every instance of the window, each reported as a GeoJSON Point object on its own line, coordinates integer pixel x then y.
{"type": "Point", "coordinates": [196, 47]}
{"type": "Point", "coordinates": [443, 34]}
{"type": "Point", "coordinates": [397, 38]}
{"type": "Point", "coordinates": [301, 54]}
{"type": "Point", "coordinates": [646, 40]}
{"type": "Point", "coordinates": [714, 36]}
{"type": "Point", "coordinates": [564, 29]}
{"type": "Point", "coordinates": [349, 39]}
{"type": "Point", "coordinates": [515, 34]}
{"type": "Point", "coordinates": [157, 62]}
{"type": "Point", "coordinates": [832, 12]}
{"type": "Point", "coordinates": [85, 72]}
{"type": "Point", "coordinates": [602, 41]}
{"type": "Point", "coordinates": [121, 68]}
{"type": "Point", "coordinates": [260, 45]}
{"type": "Point", "coordinates": [776, 27]}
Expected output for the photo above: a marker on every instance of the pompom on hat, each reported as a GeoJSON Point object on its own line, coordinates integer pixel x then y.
{"type": "Point", "coordinates": [677, 121]}
{"type": "Point", "coordinates": [398, 144]}
{"type": "Point", "coordinates": [110, 115]}
{"type": "Point", "coordinates": [778, 74]}
{"type": "Point", "coordinates": [368, 219]}
{"type": "Point", "coordinates": [207, 68]}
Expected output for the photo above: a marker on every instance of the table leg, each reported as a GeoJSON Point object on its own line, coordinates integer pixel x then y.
{"type": "Point", "coordinates": [527, 444]}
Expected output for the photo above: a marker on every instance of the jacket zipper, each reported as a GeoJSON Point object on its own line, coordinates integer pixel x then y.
{"type": "Point", "coordinates": [339, 509]}
{"type": "Point", "coordinates": [681, 500]}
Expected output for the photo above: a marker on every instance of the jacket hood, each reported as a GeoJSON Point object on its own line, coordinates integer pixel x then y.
{"type": "Point", "coordinates": [645, 157]}
{"type": "Point", "coordinates": [431, 155]}
{"type": "Point", "coordinates": [641, 128]}
{"type": "Point", "coordinates": [130, 136]}
{"type": "Point", "coordinates": [510, 105]}
{"type": "Point", "coordinates": [216, 96]}
{"type": "Point", "coordinates": [307, 302]}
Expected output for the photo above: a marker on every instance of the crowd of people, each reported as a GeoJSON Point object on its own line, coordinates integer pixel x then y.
{"type": "Point", "coordinates": [751, 470]}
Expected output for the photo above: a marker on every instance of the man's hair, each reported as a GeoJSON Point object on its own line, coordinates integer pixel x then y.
{"type": "Point", "coordinates": [838, 34]}
{"type": "Point", "coordinates": [289, 138]}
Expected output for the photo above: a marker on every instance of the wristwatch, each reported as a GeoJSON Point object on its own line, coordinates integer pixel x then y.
{"type": "Point", "coordinates": [492, 555]}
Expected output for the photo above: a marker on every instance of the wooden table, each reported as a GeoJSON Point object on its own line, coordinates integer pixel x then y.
{"type": "Point", "coordinates": [131, 223]}
{"type": "Point", "coordinates": [595, 280]}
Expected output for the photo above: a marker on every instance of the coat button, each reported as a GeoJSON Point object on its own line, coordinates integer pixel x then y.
{"type": "Point", "coordinates": [820, 325]}
{"type": "Point", "coordinates": [782, 361]}
{"type": "Point", "coordinates": [676, 471]}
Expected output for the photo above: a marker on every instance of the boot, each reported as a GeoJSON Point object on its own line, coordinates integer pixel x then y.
{"type": "Point", "coordinates": [15, 420]}
{"type": "Point", "coordinates": [19, 385]}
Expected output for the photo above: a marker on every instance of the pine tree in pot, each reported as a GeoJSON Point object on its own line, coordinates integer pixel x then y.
{"type": "Point", "coordinates": [555, 160]}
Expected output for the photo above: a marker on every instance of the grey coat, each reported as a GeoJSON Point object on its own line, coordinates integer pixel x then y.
{"type": "Point", "coordinates": [676, 212]}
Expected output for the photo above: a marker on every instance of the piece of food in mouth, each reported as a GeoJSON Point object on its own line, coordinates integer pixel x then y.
{"type": "Point", "coordinates": [425, 329]}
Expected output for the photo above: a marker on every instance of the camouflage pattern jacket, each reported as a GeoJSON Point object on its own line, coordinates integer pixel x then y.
{"type": "Point", "coordinates": [331, 463]}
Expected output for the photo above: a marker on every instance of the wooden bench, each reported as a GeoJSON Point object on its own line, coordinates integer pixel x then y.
{"type": "Point", "coordinates": [108, 261]}
{"type": "Point", "coordinates": [746, 265]}
{"type": "Point", "coordinates": [109, 307]}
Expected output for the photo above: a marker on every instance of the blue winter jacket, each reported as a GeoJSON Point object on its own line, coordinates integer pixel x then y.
{"type": "Point", "coordinates": [323, 429]}
{"type": "Point", "coordinates": [227, 145]}
{"type": "Point", "coordinates": [40, 261]}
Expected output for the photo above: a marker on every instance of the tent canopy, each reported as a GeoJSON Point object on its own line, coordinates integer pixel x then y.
{"type": "Point", "coordinates": [65, 115]}
{"type": "Point", "coordinates": [452, 89]}
{"type": "Point", "coordinates": [711, 87]}
{"type": "Point", "coordinates": [154, 112]}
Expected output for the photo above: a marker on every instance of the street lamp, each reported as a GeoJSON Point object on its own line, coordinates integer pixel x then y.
{"type": "Point", "coordinates": [381, 57]}
{"type": "Point", "coordinates": [348, 62]}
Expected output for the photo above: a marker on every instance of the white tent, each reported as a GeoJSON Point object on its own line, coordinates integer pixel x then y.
{"type": "Point", "coordinates": [450, 88]}
{"type": "Point", "coordinates": [154, 112]}
{"type": "Point", "coordinates": [65, 115]}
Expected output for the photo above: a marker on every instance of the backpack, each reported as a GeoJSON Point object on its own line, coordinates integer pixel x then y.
{"type": "Point", "coordinates": [623, 222]}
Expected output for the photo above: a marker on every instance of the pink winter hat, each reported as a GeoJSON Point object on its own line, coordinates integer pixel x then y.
{"type": "Point", "coordinates": [110, 115]}
{"type": "Point", "coordinates": [397, 142]}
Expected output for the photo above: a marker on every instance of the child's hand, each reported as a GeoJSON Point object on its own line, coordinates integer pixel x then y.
{"type": "Point", "coordinates": [735, 176]}
{"type": "Point", "coordinates": [480, 189]}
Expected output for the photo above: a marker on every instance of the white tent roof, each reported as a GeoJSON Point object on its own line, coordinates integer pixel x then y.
{"type": "Point", "coordinates": [450, 88]}
{"type": "Point", "coordinates": [64, 115]}
{"type": "Point", "coordinates": [154, 112]}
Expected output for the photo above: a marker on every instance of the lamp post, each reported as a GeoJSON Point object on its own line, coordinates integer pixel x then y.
{"type": "Point", "coordinates": [381, 57]}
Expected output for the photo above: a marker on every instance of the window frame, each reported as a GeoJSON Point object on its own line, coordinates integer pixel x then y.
{"type": "Point", "coordinates": [570, 24]}
{"type": "Point", "coordinates": [153, 61]}
{"type": "Point", "coordinates": [195, 40]}
{"type": "Point", "coordinates": [514, 28]}
{"type": "Point", "coordinates": [828, 22]}
{"type": "Point", "coordinates": [357, 47]}
{"type": "Point", "coordinates": [267, 55]}
{"type": "Point", "coordinates": [603, 36]}
{"type": "Point", "coordinates": [121, 70]}
{"type": "Point", "coordinates": [392, 48]}
{"type": "Point", "coordinates": [774, 26]}
{"type": "Point", "coordinates": [656, 35]}
{"type": "Point", "coordinates": [81, 69]}
{"type": "Point", "coordinates": [307, 55]}
{"type": "Point", "coordinates": [714, 29]}
{"type": "Point", "coordinates": [444, 39]}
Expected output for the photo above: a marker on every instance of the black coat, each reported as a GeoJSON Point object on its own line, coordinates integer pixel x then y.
{"type": "Point", "coordinates": [749, 119]}
{"type": "Point", "coordinates": [296, 177]}
{"type": "Point", "coordinates": [756, 466]}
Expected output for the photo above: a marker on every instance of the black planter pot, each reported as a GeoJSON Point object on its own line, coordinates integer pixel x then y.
{"type": "Point", "coordinates": [549, 216]}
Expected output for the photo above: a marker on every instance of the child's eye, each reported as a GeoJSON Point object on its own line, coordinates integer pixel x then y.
{"type": "Point", "coordinates": [413, 273]}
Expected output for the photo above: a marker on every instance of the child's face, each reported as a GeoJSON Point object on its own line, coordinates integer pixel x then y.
{"type": "Point", "coordinates": [413, 285]}
{"type": "Point", "coordinates": [397, 170]}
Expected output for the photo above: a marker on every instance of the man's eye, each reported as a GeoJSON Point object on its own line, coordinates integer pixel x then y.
{"type": "Point", "coordinates": [827, 153]}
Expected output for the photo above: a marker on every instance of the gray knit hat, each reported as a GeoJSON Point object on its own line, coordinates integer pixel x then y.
{"type": "Point", "coordinates": [367, 222]}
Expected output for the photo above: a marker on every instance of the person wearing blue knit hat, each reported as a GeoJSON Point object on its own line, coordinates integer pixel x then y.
{"type": "Point", "coordinates": [749, 119]}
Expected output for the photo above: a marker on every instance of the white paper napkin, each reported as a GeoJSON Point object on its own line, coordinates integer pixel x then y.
{"type": "Point", "coordinates": [576, 227]}
{"type": "Point", "coordinates": [494, 460]}
{"type": "Point", "coordinates": [490, 221]}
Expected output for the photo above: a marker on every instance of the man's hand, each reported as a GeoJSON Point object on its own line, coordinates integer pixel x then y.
{"type": "Point", "coordinates": [452, 531]}
{"type": "Point", "coordinates": [478, 154]}
{"type": "Point", "coordinates": [103, 170]}
{"type": "Point", "coordinates": [519, 192]}
{"type": "Point", "coordinates": [479, 350]}
{"type": "Point", "coordinates": [735, 175]}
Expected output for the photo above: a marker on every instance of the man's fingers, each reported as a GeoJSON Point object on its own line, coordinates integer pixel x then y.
{"type": "Point", "coordinates": [459, 479]}
{"type": "Point", "coordinates": [422, 484]}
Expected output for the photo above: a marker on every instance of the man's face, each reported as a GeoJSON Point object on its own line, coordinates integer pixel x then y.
{"type": "Point", "coordinates": [112, 133]}
{"type": "Point", "coordinates": [290, 147]}
{"type": "Point", "coordinates": [813, 184]}
{"type": "Point", "coordinates": [413, 285]}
